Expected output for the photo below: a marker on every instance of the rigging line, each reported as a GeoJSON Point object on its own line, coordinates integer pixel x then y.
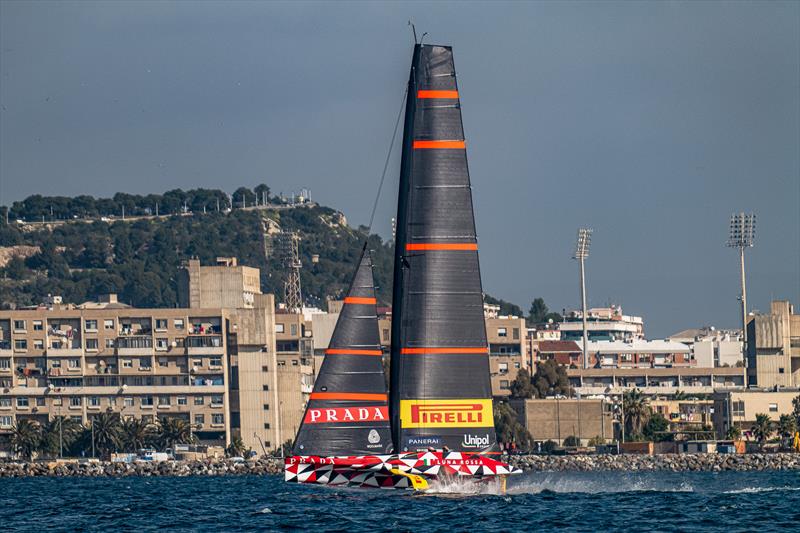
{"type": "Point", "coordinates": [386, 164]}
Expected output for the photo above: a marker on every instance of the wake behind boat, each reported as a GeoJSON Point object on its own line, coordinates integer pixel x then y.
{"type": "Point", "coordinates": [438, 420]}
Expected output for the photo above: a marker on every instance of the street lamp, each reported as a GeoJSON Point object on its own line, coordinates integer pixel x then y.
{"type": "Point", "coordinates": [742, 235]}
{"type": "Point", "coordinates": [581, 253]}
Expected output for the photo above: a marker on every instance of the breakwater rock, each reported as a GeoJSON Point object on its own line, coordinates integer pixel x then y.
{"type": "Point", "coordinates": [663, 462]}
{"type": "Point", "coordinates": [208, 467]}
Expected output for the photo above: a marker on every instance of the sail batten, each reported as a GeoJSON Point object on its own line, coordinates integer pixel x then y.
{"type": "Point", "coordinates": [440, 390]}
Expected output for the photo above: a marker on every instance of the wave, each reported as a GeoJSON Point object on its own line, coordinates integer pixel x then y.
{"type": "Point", "coordinates": [755, 490]}
{"type": "Point", "coordinates": [576, 483]}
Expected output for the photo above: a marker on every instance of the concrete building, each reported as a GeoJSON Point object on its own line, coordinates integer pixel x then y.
{"type": "Point", "coordinates": [711, 347]}
{"type": "Point", "coordinates": [224, 285]}
{"type": "Point", "coordinates": [294, 345]}
{"type": "Point", "coordinates": [639, 354]}
{"type": "Point", "coordinates": [207, 366]}
{"type": "Point", "coordinates": [603, 324]}
{"type": "Point", "coordinates": [739, 408]}
{"type": "Point", "coordinates": [654, 381]}
{"type": "Point", "coordinates": [508, 351]}
{"type": "Point", "coordinates": [557, 419]}
{"type": "Point", "coordinates": [773, 347]}
{"type": "Point", "coordinates": [565, 353]}
{"type": "Point", "coordinates": [689, 412]}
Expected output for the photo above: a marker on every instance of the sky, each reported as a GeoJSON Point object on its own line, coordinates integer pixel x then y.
{"type": "Point", "coordinates": [650, 122]}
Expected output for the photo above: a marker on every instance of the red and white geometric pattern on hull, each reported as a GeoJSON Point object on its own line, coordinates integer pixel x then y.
{"type": "Point", "coordinates": [375, 470]}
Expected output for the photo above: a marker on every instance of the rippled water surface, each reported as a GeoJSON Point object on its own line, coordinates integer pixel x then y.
{"type": "Point", "coordinates": [727, 501]}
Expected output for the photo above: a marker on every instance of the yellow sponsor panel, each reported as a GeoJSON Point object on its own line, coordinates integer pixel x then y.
{"type": "Point", "coordinates": [446, 413]}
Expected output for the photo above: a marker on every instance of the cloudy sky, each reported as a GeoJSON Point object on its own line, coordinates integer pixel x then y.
{"type": "Point", "coordinates": [650, 122]}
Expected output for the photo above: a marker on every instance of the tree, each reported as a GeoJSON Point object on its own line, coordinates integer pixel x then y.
{"type": "Point", "coordinates": [236, 448]}
{"type": "Point", "coordinates": [551, 379]}
{"type": "Point", "coordinates": [796, 410]}
{"type": "Point", "coordinates": [734, 433]}
{"type": "Point", "coordinates": [537, 312]}
{"type": "Point", "coordinates": [787, 426]}
{"type": "Point", "coordinates": [597, 440]}
{"type": "Point", "coordinates": [506, 308]}
{"type": "Point", "coordinates": [509, 430]}
{"type": "Point", "coordinates": [549, 445]}
{"type": "Point", "coordinates": [522, 386]}
{"type": "Point", "coordinates": [262, 193]}
{"type": "Point", "coordinates": [656, 427]}
{"type": "Point", "coordinates": [636, 412]}
{"type": "Point", "coordinates": [26, 436]}
{"type": "Point", "coordinates": [106, 429]}
{"type": "Point", "coordinates": [135, 434]}
{"type": "Point", "coordinates": [572, 442]}
{"type": "Point", "coordinates": [172, 431]}
{"type": "Point", "coordinates": [762, 428]}
{"type": "Point", "coordinates": [59, 434]}
{"type": "Point", "coordinates": [15, 268]}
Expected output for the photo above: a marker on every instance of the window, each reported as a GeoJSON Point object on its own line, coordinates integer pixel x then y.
{"type": "Point", "coordinates": [217, 418]}
{"type": "Point", "coordinates": [163, 401]}
{"type": "Point", "coordinates": [161, 324]}
{"type": "Point", "coordinates": [197, 362]}
{"type": "Point", "coordinates": [503, 368]}
{"type": "Point", "coordinates": [266, 407]}
{"type": "Point", "coordinates": [162, 344]}
{"type": "Point", "coordinates": [199, 420]}
{"type": "Point", "coordinates": [295, 362]}
{"type": "Point", "coordinates": [5, 402]}
{"type": "Point", "coordinates": [503, 383]}
{"type": "Point", "coordinates": [385, 334]}
{"type": "Point", "coordinates": [21, 345]}
{"type": "Point", "coordinates": [38, 344]}
{"type": "Point", "coordinates": [58, 402]}
{"type": "Point", "coordinates": [40, 402]}
{"type": "Point", "coordinates": [215, 361]}
{"type": "Point", "coordinates": [74, 363]}
{"type": "Point", "coordinates": [781, 370]}
{"type": "Point", "coordinates": [94, 401]}
{"type": "Point", "coordinates": [293, 330]}
{"type": "Point", "coordinates": [198, 400]}
{"type": "Point", "coordinates": [738, 408]}
{"type": "Point", "coordinates": [91, 344]}
{"type": "Point", "coordinates": [163, 362]}
{"type": "Point", "coordinates": [91, 325]}
{"type": "Point", "coordinates": [178, 323]}
{"type": "Point", "coordinates": [278, 328]}
{"type": "Point", "coordinates": [516, 365]}
{"type": "Point", "coordinates": [266, 425]}
{"type": "Point", "coordinates": [265, 368]}
{"type": "Point", "coordinates": [182, 400]}
{"type": "Point", "coordinates": [515, 333]}
{"type": "Point", "coordinates": [127, 402]}
{"type": "Point", "coordinates": [108, 324]}
{"type": "Point", "coordinates": [281, 363]}
{"type": "Point", "coordinates": [147, 401]}
{"type": "Point", "coordinates": [109, 343]}
{"type": "Point", "coordinates": [19, 325]}
{"type": "Point", "coordinates": [216, 399]}
{"type": "Point", "coordinates": [502, 332]}
{"type": "Point", "coordinates": [78, 419]}
{"type": "Point", "coordinates": [145, 363]}
{"type": "Point", "coordinates": [37, 325]}
{"type": "Point", "coordinates": [5, 364]}
{"type": "Point", "coordinates": [265, 387]}
{"type": "Point", "coordinates": [180, 342]}
{"type": "Point", "coordinates": [773, 408]}
{"type": "Point", "coordinates": [22, 402]}
{"type": "Point", "coordinates": [127, 363]}
{"type": "Point", "coordinates": [75, 401]}
{"type": "Point", "coordinates": [6, 421]}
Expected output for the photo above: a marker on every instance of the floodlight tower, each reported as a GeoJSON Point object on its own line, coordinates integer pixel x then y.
{"type": "Point", "coordinates": [742, 235]}
{"type": "Point", "coordinates": [581, 253]}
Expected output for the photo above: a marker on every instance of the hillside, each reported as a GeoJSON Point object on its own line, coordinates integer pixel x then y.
{"type": "Point", "coordinates": [78, 251]}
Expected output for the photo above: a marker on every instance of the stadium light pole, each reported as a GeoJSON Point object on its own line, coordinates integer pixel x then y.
{"type": "Point", "coordinates": [581, 253]}
{"type": "Point", "coordinates": [742, 235]}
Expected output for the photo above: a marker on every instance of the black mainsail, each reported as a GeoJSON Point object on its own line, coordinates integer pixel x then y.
{"type": "Point", "coordinates": [347, 413]}
{"type": "Point", "coordinates": [440, 386]}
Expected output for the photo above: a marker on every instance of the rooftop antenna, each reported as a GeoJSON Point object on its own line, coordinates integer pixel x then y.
{"type": "Point", "coordinates": [414, 30]}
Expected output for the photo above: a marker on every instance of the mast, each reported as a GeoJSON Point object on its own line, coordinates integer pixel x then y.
{"type": "Point", "coordinates": [347, 413]}
{"type": "Point", "coordinates": [440, 390]}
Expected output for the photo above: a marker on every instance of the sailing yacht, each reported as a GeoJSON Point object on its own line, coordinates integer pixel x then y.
{"type": "Point", "coordinates": [436, 420]}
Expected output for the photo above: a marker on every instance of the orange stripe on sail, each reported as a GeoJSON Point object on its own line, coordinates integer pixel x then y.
{"type": "Point", "coordinates": [348, 351]}
{"type": "Point", "coordinates": [412, 246]}
{"type": "Point", "coordinates": [440, 144]}
{"type": "Point", "coordinates": [359, 300]}
{"type": "Point", "coordinates": [453, 350]}
{"type": "Point", "coordinates": [348, 396]}
{"type": "Point", "coordinates": [437, 94]}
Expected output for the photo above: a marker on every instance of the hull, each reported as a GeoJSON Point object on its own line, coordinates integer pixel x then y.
{"type": "Point", "coordinates": [394, 471]}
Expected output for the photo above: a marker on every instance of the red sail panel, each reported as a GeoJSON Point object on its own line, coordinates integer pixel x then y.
{"type": "Point", "coordinates": [440, 390]}
{"type": "Point", "coordinates": [347, 413]}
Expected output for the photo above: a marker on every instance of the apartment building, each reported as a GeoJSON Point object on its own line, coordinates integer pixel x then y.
{"type": "Point", "coordinates": [654, 381]}
{"type": "Point", "coordinates": [225, 284]}
{"type": "Point", "coordinates": [740, 407]}
{"type": "Point", "coordinates": [603, 324]}
{"type": "Point", "coordinates": [773, 347]}
{"type": "Point", "coordinates": [294, 352]}
{"type": "Point", "coordinates": [508, 351]}
{"type": "Point", "coordinates": [712, 347]}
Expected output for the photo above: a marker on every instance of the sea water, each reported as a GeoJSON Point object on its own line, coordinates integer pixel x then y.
{"type": "Point", "coordinates": [591, 501]}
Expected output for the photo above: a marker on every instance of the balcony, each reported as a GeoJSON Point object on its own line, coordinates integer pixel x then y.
{"type": "Point", "coordinates": [204, 345]}
{"type": "Point", "coordinates": [5, 347]}
{"type": "Point", "coordinates": [134, 345]}
{"type": "Point", "coordinates": [65, 351]}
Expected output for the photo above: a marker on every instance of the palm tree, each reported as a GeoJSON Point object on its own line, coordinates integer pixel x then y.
{"type": "Point", "coordinates": [136, 433]}
{"type": "Point", "coordinates": [107, 432]}
{"type": "Point", "coordinates": [25, 437]}
{"type": "Point", "coordinates": [786, 428]}
{"type": "Point", "coordinates": [734, 433]}
{"type": "Point", "coordinates": [236, 448]}
{"type": "Point", "coordinates": [636, 411]}
{"type": "Point", "coordinates": [172, 431]}
{"type": "Point", "coordinates": [762, 428]}
{"type": "Point", "coordinates": [59, 434]}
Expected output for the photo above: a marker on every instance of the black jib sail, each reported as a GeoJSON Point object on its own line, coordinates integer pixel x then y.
{"type": "Point", "coordinates": [440, 387]}
{"type": "Point", "coordinates": [348, 413]}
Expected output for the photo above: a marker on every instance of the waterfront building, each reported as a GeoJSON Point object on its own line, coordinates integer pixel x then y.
{"type": "Point", "coordinates": [556, 418]}
{"type": "Point", "coordinates": [654, 381]}
{"type": "Point", "coordinates": [508, 351]}
{"type": "Point", "coordinates": [773, 347]}
{"type": "Point", "coordinates": [711, 347]}
{"type": "Point", "coordinates": [206, 366]}
{"type": "Point", "coordinates": [603, 324]}
{"type": "Point", "coordinates": [683, 413]}
{"type": "Point", "coordinates": [740, 407]}
{"type": "Point", "coordinates": [294, 344]}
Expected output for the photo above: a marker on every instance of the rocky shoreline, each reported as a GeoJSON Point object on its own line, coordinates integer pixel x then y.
{"type": "Point", "coordinates": [536, 463]}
